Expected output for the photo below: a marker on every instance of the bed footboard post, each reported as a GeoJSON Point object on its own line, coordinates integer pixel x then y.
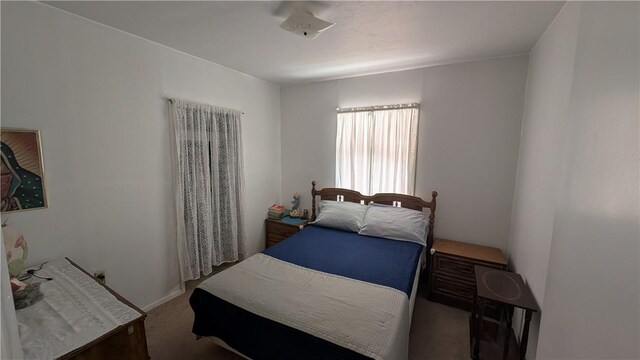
{"type": "Point", "coordinates": [313, 200]}
{"type": "Point", "coordinates": [432, 217]}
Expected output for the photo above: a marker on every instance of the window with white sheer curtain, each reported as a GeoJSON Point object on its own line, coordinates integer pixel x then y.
{"type": "Point", "coordinates": [209, 186]}
{"type": "Point", "coordinates": [376, 149]}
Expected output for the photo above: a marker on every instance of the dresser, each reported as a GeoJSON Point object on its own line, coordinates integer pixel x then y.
{"type": "Point", "coordinates": [452, 275]}
{"type": "Point", "coordinates": [276, 231]}
{"type": "Point", "coordinates": [79, 318]}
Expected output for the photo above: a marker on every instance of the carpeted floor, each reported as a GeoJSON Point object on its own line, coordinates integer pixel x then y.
{"type": "Point", "coordinates": [438, 332]}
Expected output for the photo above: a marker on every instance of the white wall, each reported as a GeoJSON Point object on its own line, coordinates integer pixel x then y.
{"type": "Point", "coordinates": [539, 166]}
{"type": "Point", "coordinates": [96, 94]}
{"type": "Point", "coordinates": [575, 235]}
{"type": "Point", "coordinates": [592, 294]}
{"type": "Point", "coordinates": [469, 132]}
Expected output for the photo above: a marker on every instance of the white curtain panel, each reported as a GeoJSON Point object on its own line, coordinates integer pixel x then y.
{"type": "Point", "coordinates": [209, 186]}
{"type": "Point", "coordinates": [376, 151]}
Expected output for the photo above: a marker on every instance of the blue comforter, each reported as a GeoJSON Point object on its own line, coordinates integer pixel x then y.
{"type": "Point", "coordinates": [376, 260]}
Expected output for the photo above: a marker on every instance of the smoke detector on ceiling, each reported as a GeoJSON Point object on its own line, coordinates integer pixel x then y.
{"type": "Point", "coordinates": [305, 24]}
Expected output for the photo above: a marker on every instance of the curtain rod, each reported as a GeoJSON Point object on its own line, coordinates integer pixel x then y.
{"type": "Point", "coordinates": [379, 107]}
{"type": "Point", "coordinates": [193, 102]}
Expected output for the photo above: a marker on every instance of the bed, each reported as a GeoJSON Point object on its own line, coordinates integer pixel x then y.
{"type": "Point", "coordinates": [327, 291]}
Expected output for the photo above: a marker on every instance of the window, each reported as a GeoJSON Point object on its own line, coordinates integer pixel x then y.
{"type": "Point", "coordinates": [376, 149]}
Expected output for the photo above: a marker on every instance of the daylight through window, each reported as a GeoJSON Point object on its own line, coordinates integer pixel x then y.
{"type": "Point", "coordinates": [376, 149]}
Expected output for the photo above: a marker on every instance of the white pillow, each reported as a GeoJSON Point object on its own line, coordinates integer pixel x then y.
{"type": "Point", "coordinates": [341, 215]}
{"type": "Point", "coordinates": [395, 223]}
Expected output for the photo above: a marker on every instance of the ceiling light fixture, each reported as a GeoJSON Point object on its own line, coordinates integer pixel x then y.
{"type": "Point", "coordinates": [305, 24]}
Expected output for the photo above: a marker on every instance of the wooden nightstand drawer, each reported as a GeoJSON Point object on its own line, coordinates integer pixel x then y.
{"type": "Point", "coordinates": [454, 287]}
{"type": "Point", "coordinates": [454, 266]}
{"type": "Point", "coordinates": [275, 237]}
{"type": "Point", "coordinates": [459, 267]}
{"type": "Point", "coordinates": [281, 229]}
{"type": "Point", "coordinates": [277, 231]}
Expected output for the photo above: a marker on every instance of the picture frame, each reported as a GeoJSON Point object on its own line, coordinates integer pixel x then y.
{"type": "Point", "coordinates": [22, 172]}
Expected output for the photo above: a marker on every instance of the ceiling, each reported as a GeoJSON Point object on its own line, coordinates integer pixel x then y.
{"type": "Point", "coordinates": [368, 38]}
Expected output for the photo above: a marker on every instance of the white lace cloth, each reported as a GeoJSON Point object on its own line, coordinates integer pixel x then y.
{"type": "Point", "coordinates": [209, 185]}
{"type": "Point", "coordinates": [75, 310]}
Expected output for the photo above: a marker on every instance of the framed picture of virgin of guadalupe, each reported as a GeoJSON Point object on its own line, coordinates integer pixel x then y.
{"type": "Point", "coordinates": [22, 170]}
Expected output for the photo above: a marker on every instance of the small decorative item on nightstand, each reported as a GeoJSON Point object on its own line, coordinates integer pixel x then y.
{"type": "Point", "coordinates": [295, 205]}
{"type": "Point", "coordinates": [295, 213]}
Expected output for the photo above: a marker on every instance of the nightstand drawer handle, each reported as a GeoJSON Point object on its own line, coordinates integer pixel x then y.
{"type": "Point", "coordinates": [284, 231]}
{"type": "Point", "coordinates": [455, 266]}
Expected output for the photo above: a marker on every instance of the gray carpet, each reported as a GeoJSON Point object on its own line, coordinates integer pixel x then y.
{"type": "Point", "coordinates": [437, 332]}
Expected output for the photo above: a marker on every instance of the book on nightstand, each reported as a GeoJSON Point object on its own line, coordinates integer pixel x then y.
{"type": "Point", "coordinates": [276, 211]}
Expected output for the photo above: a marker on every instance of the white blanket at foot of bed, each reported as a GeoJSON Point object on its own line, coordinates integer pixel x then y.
{"type": "Point", "coordinates": [370, 319]}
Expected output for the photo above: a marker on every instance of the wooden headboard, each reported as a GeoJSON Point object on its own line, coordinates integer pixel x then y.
{"type": "Point", "coordinates": [401, 200]}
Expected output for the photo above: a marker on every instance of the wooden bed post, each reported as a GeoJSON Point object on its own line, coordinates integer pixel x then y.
{"type": "Point", "coordinates": [313, 200]}
{"type": "Point", "coordinates": [432, 216]}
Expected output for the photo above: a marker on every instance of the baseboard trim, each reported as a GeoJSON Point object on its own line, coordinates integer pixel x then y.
{"type": "Point", "coordinates": [174, 294]}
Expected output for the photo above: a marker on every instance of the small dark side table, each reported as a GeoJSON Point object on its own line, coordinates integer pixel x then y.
{"type": "Point", "coordinates": [496, 340]}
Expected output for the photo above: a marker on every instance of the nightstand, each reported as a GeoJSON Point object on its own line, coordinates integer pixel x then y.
{"type": "Point", "coordinates": [452, 276]}
{"type": "Point", "coordinates": [276, 231]}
